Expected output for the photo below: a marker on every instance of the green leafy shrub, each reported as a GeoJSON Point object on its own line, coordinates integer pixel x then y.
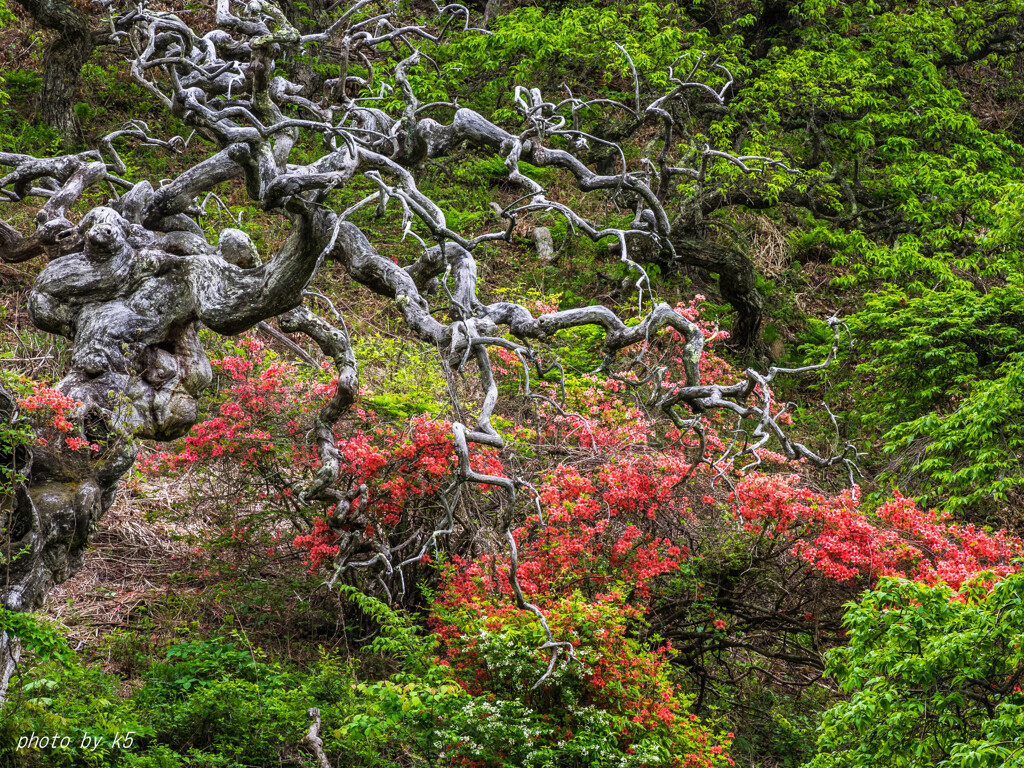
{"type": "Point", "coordinates": [75, 702]}
{"type": "Point", "coordinates": [934, 679]}
{"type": "Point", "coordinates": [209, 702]}
{"type": "Point", "coordinates": [613, 705]}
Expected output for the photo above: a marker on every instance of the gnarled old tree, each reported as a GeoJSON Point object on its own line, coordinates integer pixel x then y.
{"type": "Point", "coordinates": [131, 282]}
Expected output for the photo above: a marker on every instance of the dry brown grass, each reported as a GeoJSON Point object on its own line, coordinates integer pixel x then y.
{"type": "Point", "coordinates": [769, 250]}
{"type": "Point", "coordinates": [131, 562]}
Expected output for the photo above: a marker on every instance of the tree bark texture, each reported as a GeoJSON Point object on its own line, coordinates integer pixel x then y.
{"type": "Point", "coordinates": [61, 69]}
{"type": "Point", "coordinates": [79, 30]}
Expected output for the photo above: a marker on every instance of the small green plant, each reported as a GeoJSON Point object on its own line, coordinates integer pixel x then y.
{"type": "Point", "coordinates": [23, 82]}
{"type": "Point", "coordinates": [15, 435]}
{"type": "Point", "coordinates": [36, 635]}
{"type": "Point", "coordinates": [400, 407]}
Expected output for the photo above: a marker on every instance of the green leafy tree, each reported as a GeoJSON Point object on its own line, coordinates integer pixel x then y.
{"type": "Point", "coordinates": [934, 679]}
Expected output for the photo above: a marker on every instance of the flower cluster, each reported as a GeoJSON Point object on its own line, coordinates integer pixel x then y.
{"type": "Point", "coordinates": [50, 409]}
{"type": "Point", "coordinates": [50, 404]}
{"type": "Point", "coordinates": [321, 544]}
{"type": "Point", "coordinates": [837, 537]}
{"type": "Point", "coordinates": [258, 439]}
{"type": "Point", "coordinates": [491, 647]}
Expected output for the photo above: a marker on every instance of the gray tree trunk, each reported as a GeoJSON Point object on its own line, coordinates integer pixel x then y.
{"type": "Point", "coordinates": [78, 33]}
{"type": "Point", "coordinates": [61, 69]}
{"type": "Point", "coordinates": [492, 10]}
{"type": "Point", "coordinates": [10, 654]}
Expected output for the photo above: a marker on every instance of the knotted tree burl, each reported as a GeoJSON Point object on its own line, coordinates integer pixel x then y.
{"type": "Point", "coordinates": [132, 281]}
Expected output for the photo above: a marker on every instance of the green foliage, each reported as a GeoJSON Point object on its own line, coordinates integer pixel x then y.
{"type": "Point", "coordinates": [947, 381]}
{"type": "Point", "coordinates": [36, 635]}
{"type": "Point", "coordinates": [6, 17]}
{"type": "Point", "coordinates": [15, 435]}
{"type": "Point", "coordinates": [21, 82]}
{"type": "Point", "coordinates": [972, 454]}
{"type": "Point", "coordinates": [574, 46]}
{"type": "Point", "coordinates": [886, 108]}
{"type": "Point", "coordinates": [397, 634]}
{"type": "Point", "coordinates": [84, 112]}
{"type": "Point", "coordinates": [397, 713]}
{"type": "Point", "coordinates": [933, 679]}
{"type": "Point", "coordinates": [213, 701]}
{"type": "Point", "coordinates": [581, 348]}
{"type": "Point", "coordinates": [199, 663]}
{"type": "Point", "coordinates": [27, 138]}
{"type": "Point", "coordinates": [400, 407]}
{"type": "Point", "coordinates": [411, 377]}
{"type": "Point", "coordinates": [76, 702]}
